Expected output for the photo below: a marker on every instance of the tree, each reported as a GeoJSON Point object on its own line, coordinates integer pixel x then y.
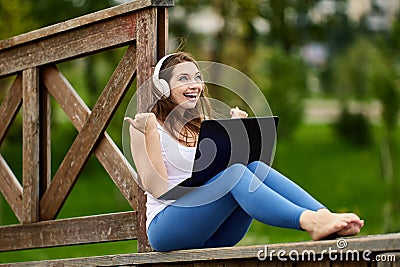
{"type": "Point", "coordinates": [282, 79]}
{"type": "Point", "coordinates": [15, 18]}
{"type": "Point", "coordinates": [366, 71]}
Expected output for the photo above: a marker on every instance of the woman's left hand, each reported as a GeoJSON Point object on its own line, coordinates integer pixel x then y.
{"type": "Point", "coordinates": [237, 113]}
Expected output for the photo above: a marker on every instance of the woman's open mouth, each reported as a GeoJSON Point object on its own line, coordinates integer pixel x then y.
{"type": "Point", "coordinates": [191, 96]}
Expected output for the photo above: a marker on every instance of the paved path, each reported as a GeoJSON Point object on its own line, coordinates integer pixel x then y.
{"type": "Point", "coordinates": [327, 111]}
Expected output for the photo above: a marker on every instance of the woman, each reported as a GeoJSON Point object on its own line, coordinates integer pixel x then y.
{"type": "Point", "coordinates": [163, 145]}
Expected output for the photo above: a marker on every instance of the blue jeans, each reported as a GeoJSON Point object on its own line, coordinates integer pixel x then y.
{"type": "Point", "coordinates": [274, 200]}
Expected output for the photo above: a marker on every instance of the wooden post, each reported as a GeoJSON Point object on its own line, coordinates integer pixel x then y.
{"type": "Point", "coordinates": [31, 140]}
{"type": "Point", "coordinates": [162, 32]}
{"type": "Point", "coordinates": [146, 57]}
{"type": "Point", "coordinates": [141, 25]}
{"type": "Point", "coordinates": [45, 140]}
{"type": "Point", "coordinates": [149, 49]}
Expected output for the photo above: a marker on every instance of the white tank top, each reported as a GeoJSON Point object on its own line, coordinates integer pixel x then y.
{"type": "Point", "coordinates": [178, 160]}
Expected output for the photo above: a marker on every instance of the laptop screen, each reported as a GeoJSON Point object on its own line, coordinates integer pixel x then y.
{"type": "Point", "coordinates": [225, 142]}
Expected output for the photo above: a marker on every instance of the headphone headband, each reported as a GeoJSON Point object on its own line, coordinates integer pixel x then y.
{"type": "Point", "coordinates": [160, 84]}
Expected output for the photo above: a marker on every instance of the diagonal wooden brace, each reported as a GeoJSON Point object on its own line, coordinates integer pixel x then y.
{"type": "Point", "coordinates": [78, 112]}
{"type": "Point", "coordinates": [90, 133]}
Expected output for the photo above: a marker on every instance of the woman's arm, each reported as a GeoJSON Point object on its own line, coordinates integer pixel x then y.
{"type": "Point", "coordinates": [146, 153]}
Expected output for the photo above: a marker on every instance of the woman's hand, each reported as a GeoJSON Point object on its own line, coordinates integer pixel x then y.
{"type": "Point", "coordinates": [146, 153]}
{"type": "Point", "coordinates": [237, 113]}
{"type": "Point", "coordinates": [143, 122]}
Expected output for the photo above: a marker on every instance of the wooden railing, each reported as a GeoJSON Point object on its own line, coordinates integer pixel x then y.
{"type": "Point", "coordinates": [141, 26]}
{"type": "Point", "coordinates": [32, 59]}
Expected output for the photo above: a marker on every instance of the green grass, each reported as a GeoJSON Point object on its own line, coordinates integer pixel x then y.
{"type": "Point", "coordinates": [341, 176]}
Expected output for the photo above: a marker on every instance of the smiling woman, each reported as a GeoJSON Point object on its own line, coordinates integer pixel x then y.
{"type": "Point", "coordinates": [187, 85]}
{"type": "Point", "coordinates": [163, 146]}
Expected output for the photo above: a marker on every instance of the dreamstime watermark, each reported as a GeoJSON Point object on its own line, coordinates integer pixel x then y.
{"type": "Point", "coordinates": [338, 253]}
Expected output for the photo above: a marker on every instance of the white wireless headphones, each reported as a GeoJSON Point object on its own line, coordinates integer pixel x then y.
{"type": "Point", "coordinates": [160, 84]}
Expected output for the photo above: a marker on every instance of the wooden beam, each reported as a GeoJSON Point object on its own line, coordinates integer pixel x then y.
{"type": "Point", "coordinates": [94, 127]}
{"type": "Point", "coordinates": [9, 185]}
{"type": "Point", "coordinates": [78, 112]}
{"type": "Point", "coordinates": [146, 59]}
{"type": "Point", "coordinates": [31, 141]}
{"type": "Point", "coordinates": [11, 189]}
{"type": "Point", "coordinates": [82, 230]}
{"type": "Point", "coordinates": [162, 32]}
{"type": "Point", "coordinates": [82, 21]}
{"type": "Point", "coordinates": [120, 171]}
{"type": "Point", "coordinates": [45, 141]}
{"type": "Point", "coordinates": [10, 106]}
{"type": "Point", "coordinates": [80, 41]}
{"type": "Point", "coordinates": [388, 244]}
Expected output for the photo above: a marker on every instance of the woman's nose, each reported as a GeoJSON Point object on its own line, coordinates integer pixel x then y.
{"type": "Point", "coordinates": [194, 84]}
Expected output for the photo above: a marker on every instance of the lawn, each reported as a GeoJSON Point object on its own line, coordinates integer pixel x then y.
{"type": "Point", "coordinates": [341, 176]}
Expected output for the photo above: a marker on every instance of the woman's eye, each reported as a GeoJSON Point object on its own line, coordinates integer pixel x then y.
{"type": "Point", "coordinates": [198, 78]}
{"type": "Point", "coordinates": [183, 78]}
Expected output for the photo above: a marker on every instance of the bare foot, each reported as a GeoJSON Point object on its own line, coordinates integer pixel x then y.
{"type": "Point", "coordinates": [352, 229]}
{"type": "Point", "coordinates": [322, 223]}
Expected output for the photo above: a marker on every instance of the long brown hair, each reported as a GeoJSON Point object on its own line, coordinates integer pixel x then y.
{"type": "Point", "coordinates": [165, 105]}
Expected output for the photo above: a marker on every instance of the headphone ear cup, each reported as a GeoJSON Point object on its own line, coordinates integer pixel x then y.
{"type": "Point", "coordinates": [165, 90]}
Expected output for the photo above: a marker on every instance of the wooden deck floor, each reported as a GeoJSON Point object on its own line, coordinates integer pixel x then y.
{"type": "Point", "coordinates": [376, 250]}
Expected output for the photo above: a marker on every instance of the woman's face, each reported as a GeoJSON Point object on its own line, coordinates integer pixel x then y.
{"type": "Point", "coordinates": [186, 85]}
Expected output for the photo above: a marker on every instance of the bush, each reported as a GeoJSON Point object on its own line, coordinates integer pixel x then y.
{"type": "Point", "coordinates": [354, 128]}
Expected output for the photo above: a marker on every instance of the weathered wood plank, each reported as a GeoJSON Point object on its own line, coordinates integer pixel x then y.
{"type": "Point", "coordinates": [210, 263]}
{"type": "Point", "coordinates": [387, 259]}
{"type": "Point", "coordinates": [376, 244]}
{"type": "Point", "coordinates": [162, 32]}
{"type": "Point", "coordinates": [120, 171]}
{"type": "Point", "coordinates": [31, 142]}
{"type": "Point", "coordinates": [274, 263]}
{"type": "Point", "coordinates": [317, 263]}
{"type": "Point", "coordinates": [146, 59]}
{"type": "Point", "coordinates": [349, 263]}
{"type": "Point", "coordinates": [94, 127]}
{"type": "Point", "coordinates": [11, 189]}
{"type": "Point", "coordinates": [10, 106]}
{"type": "Point", "coordinates": [71, 44]}
{"type": "Point", "coordinates": [9, 185]}
{"type": "Point", "coordinates": [78, 112]}
{"type": "Point", "coordinates": [82, 21]}
{"type": "Point", "coordinates": [45, 141]}
{"type": "Point", "coordinates": [65, 95]}
{"type": "Point", "coordinates": [241, 263]}
{"type": "Point", "coordinates": [83, 230]}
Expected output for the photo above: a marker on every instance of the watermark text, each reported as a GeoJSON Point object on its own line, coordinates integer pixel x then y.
{"type": "Point", "coordinates": [338, 253]}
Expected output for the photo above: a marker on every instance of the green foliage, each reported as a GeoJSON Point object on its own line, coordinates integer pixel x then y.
{"type": "Point", "coordinates": [351, 70]}
{"type": "Point", "coordinates": [354, 128]}
{"type": "Point", "coordinates": [366, 70]}
{"type": "Point", "coordinates": [384, 82]}
{"type": "Point", "coordinates": [282, 78]}
{"type": "Point", "coordinates": [15, 18]}
{"type": "Point", "coordinates": [47, 12]}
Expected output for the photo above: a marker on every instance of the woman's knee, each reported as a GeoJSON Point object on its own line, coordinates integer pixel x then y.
{"type": "Point", "coordinates": [260, 169]}
{"type": "Point", "coordinates": [237, 168]}
{"type": "Point", "coordinates": [253, 166]}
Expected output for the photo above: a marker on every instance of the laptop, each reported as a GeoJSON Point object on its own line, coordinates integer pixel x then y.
{"type": "Point", "coordinates": [224, 142]}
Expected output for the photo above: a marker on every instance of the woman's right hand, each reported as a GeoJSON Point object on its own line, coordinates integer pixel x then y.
{"type": "Point", "coordinates": [144, 122]}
